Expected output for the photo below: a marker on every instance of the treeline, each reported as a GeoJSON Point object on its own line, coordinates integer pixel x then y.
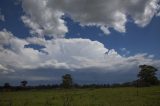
{"type": "Point", "coordinates": [59, 86]}
{"type": "Point", "coordinates": [146, 77]}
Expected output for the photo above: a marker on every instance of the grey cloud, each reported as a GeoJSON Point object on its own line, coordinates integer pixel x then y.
{"type": "Point", "coordinates": [44, 17]}
{"type": "Point", "coordinates": [108, 13]}
{"type": "Point", "coordinates": [81, 76]}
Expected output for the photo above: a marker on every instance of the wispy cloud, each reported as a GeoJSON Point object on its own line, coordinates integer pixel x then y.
{"type": "Point", "coordinates": [2, 17]}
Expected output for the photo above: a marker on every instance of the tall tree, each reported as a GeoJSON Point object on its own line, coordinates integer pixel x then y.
{"type": "Point", "coordinates": [67, 81]}
{"type": "Point", "coordinates": [24, 83]}
{"type": "Point", "coordinates": [147, 75]}
{"type": "Point", "coordinates": [7, 85]}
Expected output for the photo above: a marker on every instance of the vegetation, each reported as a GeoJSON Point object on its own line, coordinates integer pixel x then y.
{"type": "Point", "coordinates": [6, 85]}
{"type": "Point", "coordinates": [147, 75]}
{"type": "Point", "coordinates": [67, 81]}
{"type": "Point", "coordinates": [125, 96]}
{"type": "Point", "coordinates": [24, 83]}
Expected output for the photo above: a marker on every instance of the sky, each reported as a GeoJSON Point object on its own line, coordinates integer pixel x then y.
{"type": "Point", "coordinates": [96, 41]}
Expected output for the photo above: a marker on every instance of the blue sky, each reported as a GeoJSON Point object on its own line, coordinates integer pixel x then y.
{"type": "Point", "coordinates": [131, 40]}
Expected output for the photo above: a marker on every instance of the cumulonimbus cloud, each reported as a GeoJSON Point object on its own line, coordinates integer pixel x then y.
{"type": "Point", "coordinates": [71, 54]}
{"type": "Point", "coordinates": [44, 16]}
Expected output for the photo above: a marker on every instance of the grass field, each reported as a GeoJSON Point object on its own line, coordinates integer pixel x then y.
{"type": "Point", "coordinates": [149, 96]}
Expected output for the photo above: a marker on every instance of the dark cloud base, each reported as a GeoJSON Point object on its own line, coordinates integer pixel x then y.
{"type": "Point", "coordinates": [53, 76]}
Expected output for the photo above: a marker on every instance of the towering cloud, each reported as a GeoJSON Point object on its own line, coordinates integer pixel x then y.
{"type": "Point", "coordinates": [70, 54]}
{"type": "Point", "coordinates": [44, 16]}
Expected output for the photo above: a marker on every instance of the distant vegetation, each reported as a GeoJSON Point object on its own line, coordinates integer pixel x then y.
{"type": "Point", "coordinates": [24, 83]}
{"type": "Point", "coordinates": [67, 81]}
{"type": "Point", "coordinates": [146, 77]}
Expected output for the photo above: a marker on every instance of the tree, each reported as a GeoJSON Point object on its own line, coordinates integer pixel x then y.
{"type": "Point", "coordinates": [24, 83]}
{"type": "Point", "coordinates": [7, 85]}
{"type": "Point", "coordinates": [67, 81]}
{"type": "Point", "coordinates": [147, 75]}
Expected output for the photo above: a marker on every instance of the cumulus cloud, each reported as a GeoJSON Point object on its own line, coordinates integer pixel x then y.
{"type": "Point", "coordinates": [13, 54]}
{"type": "Point", "coordinates": [44, 16]}
{"type": "Point", "coordinates": [69, 54]}
{"type": "Point", "coordinates": [36, 40]}
{"type": "Point", "coordinates": [42, 20]}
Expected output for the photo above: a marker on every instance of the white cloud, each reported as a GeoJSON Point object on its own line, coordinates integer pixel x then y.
{"type": "Point", "coordinates": [36, 40]}
{"type": "Point", "coordinates": [105, 30]}
{"type": "Point", "coordinates": [125, 51]}
{"type": "Point", "coordinates": [5, 36]}
{"type": "Point", "coordinates": [13, 54]}
{"type": "Point", "coordinates": [42, 20]}
{"type": "Point", "coordinates": [44, 16]}
{"type": "Point", "coordinates": [70, 54]}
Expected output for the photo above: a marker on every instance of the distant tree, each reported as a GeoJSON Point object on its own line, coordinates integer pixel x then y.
{"type": "Point", "coordinates": [147, 75]}
{"type": "Point", "coordinates": [7, 85]}
{"type": "Point", "coordinates": [67, 81]}
{"type": "Point", "coordinates": [24, 83]}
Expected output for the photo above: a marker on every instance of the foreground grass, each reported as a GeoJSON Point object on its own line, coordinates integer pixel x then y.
{"type": "Point", "coordinates": [149, 96]}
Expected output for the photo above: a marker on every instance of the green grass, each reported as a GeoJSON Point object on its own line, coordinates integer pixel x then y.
{"type": "Point", "coordinates": [149, 96]}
